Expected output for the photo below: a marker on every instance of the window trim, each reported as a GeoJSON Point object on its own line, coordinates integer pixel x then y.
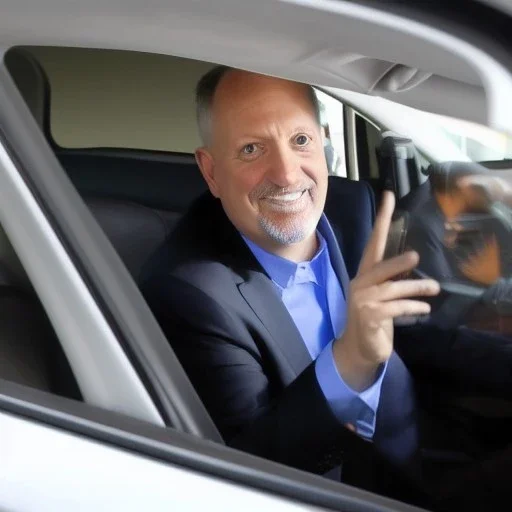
{"type": "Point", "coordinates": [351, 148]}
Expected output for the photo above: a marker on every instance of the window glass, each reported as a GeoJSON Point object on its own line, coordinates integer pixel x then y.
{"type": "Point", "coordinates": [478, 142]}
{"type": "Point", "coordinates": [125, 100]}
{"type": "Point", "coordinates": [367, 141]}
{"type": "Point", "coordinates": [120, 99]}
{"type": "Point", "coordinates": [443, 137]}
{"type": "Point", "coordinates": [331, 111]}
{"type": "Point", "coordinates": [30, 352]}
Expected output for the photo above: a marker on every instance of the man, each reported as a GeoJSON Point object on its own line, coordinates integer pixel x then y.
{"type": "Point", "coordinates": [284, 327]}
{"type": "Point", "coordinates": [457, 188]}
{"type": "Point", "coordinates": [468, 251]}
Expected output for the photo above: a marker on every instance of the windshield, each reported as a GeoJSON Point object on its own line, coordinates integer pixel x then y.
{"type": "Point", "coordinates": [477, 142]}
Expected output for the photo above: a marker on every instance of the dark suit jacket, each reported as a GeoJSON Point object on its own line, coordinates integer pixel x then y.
{"type": "Point", "coordinates": [248, 362]}
{"type": "Point", "coordinates": [244, 354]}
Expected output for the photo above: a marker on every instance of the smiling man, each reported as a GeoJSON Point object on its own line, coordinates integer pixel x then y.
{"type": "Point", "coordinates": [283, 325]}
{"type": "Point", "coordinates": [252, 164]}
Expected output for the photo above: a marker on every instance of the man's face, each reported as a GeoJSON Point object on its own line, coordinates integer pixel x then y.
{"type": "Point", "coordinates": [265, 160]}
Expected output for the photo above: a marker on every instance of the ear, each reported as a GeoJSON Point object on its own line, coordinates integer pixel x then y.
{"type": "Point", "coordinates": [206, 164]}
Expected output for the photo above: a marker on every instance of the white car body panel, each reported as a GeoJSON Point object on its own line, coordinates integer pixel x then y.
{"type": "Point", "coordinates": [45, 469]}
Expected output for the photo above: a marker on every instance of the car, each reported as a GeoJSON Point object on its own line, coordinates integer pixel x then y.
{"type": "Point", "coordinates": [96, 165]}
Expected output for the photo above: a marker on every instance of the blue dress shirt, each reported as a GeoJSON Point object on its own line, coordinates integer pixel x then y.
{"type": "Point", "coordinates": [313, 295]}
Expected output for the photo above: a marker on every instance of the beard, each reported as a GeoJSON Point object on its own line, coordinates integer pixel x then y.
{"type": "Point", "coordinates": [286, 223]}
{"type": "Point", "coordinates": [283, 234]}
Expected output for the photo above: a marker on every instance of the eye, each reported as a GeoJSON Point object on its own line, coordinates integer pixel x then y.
{"type": "Point", "coordinates": [249, 149]}
{"type": "Point", "coordinates": [302, 140]}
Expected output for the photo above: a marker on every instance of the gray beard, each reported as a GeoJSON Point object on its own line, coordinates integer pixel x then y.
{"type": "Point", "coordinates": [286, 235]}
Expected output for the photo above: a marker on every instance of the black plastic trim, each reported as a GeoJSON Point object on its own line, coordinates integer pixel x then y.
{"type": "Point", "coordinates": [132, 154]}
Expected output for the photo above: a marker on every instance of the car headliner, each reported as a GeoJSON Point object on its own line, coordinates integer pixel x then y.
{"type": "Point", "coordinates": [332, 43]}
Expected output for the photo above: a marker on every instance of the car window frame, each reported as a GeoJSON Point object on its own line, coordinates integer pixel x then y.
{"type": "Point", "coordinates": [106, 313]}
{"type": "Point", "coordinates": [352, 144]}
{"type": "Point", "coordinates": [180, 444]}
{"type": "Point", "coordinates": [99, 266]}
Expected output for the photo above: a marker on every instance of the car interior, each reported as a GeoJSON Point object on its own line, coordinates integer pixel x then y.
{"type": "Point", "coordinates": [137, 197]}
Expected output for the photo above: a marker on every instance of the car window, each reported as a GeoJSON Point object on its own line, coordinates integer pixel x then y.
{"type": "Point", "coordinates": [48, 421]}
{"type": "Point", "coordinates": [87, 92]}
{"type": "Point", "coordinates": [142, 101]}
{"type": "Point", "coordinates": [119, 99]}
{"type": "Point", "coordinates": [367, 141]}
{"type": "Point", "coordinates": [439, 137]}
{"type": "Point", "coordinates": [30, 351]}
{"type": "Point", "coordinates": [332, 119]}
{"type": "Point", "coordinates": [138, 196]}
{"type": "Point", "coordinates": [460, 223]}
{"type": "Point", "coordinates": [476, 141]}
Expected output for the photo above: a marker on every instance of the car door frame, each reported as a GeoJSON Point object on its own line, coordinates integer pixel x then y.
{"type": "Point", "coordinates": [48, 211]}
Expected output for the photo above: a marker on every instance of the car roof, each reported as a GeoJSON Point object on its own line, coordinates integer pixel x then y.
{"type": "Point", "coordinates": [336, 44]}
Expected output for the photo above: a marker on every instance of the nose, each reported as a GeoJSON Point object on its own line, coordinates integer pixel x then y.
{"type": "Point", "coordinates": [284, 166]}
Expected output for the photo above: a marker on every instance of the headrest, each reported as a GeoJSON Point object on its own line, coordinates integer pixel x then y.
{"type": "Point", "coordinates": [443, 176]}
{"type": "Point", "coordinates": [396, 146]}
{"type": "Point", "coordinates": [455, 169]}
{"type": "Point", "coordinates": [398, 164]}
{"type": "Point", "coordinates": [32, 82]}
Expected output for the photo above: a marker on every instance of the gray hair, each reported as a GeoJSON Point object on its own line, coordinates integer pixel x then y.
{"type": "Point", "coordinates": [205, 91]}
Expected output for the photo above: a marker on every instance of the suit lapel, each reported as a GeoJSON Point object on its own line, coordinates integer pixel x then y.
{"type": "Point", "coordinates": [254, 285]}
{"type": "Point", "coordinates": [261, 296]}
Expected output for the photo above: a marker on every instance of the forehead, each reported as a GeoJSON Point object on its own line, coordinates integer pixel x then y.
{"type": "Point", "coordinates": [247, 98]}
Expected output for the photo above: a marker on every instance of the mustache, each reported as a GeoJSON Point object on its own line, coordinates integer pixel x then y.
{"type": "Point", "coordinates": [269, 189]}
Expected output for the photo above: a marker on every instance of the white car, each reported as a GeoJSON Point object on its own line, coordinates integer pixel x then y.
{"type": "Point", "coordinates": [97, 134]}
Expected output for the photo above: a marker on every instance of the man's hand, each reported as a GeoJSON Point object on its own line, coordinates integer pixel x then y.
{"type": "Point", "coordinates": [374, 300]}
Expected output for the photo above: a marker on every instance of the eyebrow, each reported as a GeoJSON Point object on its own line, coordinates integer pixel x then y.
{"type": "Point", "coordinates": [303, 129]}
{"type": "Point", "coordinates": [249, 136]}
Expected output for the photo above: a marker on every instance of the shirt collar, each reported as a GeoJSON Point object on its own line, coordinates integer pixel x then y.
{"type": "Point", "coordinates": [286, 273]}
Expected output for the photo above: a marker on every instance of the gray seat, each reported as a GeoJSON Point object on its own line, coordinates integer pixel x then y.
{"type": "Point", "coordinates": [133, 229]}
{"type": "Point", "coordinates": [30, 353]}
